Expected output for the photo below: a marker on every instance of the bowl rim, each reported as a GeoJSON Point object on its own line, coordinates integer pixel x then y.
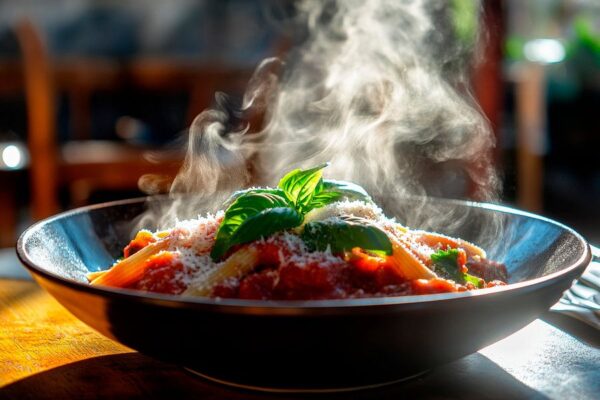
{"type": "Point", "coordinates": [285, 306]}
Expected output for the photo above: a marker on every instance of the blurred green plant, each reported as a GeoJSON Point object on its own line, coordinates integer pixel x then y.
{"type": "Point", "coordinates": [587, 38]}
{"type": "Point", "coordinates": [465, 19]}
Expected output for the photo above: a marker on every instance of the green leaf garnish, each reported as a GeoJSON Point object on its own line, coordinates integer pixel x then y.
{"type": "Point", "coordinates": [477, 282]}
{"type": "Point", "coordinates": [266, 223]}
{"type": "Point", "coordinates": [342, 235]}
{"type": "Point", "coordinates": [445, 263]}
{"type": "Point", "coordinates": [321, 199]}
{"type": "Point", "coordinates": [241, 193]}
{"type": "Point", "coordinates": [347, 190]}
{"type": "Point", "coordinates": [244, 207]}
{"type": "Point", "coordinates": [300, 185]}
{"type": "Point", "coordinates": [329, 191]}
{"type": "Point", "coordinates": [255, 213]}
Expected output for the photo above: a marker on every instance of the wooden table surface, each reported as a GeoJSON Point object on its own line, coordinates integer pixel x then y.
{"type": "Point", "coordinates": [45, 352]}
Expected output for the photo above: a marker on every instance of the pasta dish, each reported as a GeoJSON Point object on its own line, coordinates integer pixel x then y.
{"type": "Point", "coordinates": [308, 238]}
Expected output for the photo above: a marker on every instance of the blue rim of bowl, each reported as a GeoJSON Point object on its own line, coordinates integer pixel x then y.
{"type": "Point", "coordinates": [294, 306]}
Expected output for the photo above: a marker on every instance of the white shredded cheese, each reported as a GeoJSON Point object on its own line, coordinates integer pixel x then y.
{"type": "Point", "coordinates": [355, 208]}
{"type": "Point", "coordinates": [193, 239]}
{"type": "Point", "coordinates": [197, 234]}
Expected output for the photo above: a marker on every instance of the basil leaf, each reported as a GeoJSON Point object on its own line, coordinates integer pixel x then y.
{"type": "Point", "coordinates": [266, 223]}
{"type": "Point", "coordinates": [240, 193]}
{"type": "Point", "coordinates": [348, 190]}
{"type": "Point", "coordinates": [330, 191]}
{"type": "Point", "coordinates": [344, 234]}
{"type": "Point", "coordinates": [478, 282]}
{"type": "Point", "coordinates": [445, 263]}
{"type": "Point", "coordinates": [244, 207]}
{"type": "Point", "coordinates": [256, 213]}
{"type": "Point", "coordinates": [321, 199]}
{"type": "Point", "coordinates": [300, 185]}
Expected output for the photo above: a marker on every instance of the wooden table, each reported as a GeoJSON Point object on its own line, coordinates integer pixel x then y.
{"type": "Point", "coordinates": [46, 353]}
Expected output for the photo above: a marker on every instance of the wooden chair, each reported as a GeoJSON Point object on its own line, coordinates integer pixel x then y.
{"type": "Point", "coordinates": [82, 165]}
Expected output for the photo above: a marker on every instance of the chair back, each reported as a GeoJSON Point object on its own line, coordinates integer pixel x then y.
{"type": "Point", "coordinates": [41, 119]}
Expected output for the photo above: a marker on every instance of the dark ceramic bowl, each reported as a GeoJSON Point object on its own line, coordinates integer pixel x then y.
{"type": "Point", "coordinates": [313, 344]}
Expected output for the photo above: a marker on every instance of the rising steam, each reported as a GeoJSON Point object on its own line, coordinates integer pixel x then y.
{"type": "Point", "coordinates": [377, 87]}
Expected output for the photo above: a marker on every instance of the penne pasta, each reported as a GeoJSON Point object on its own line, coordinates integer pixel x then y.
{"type": "Point", "coordinates": [130, 269]}
{"type": "Point", "coordinates": [433, 239]}
{"type": "Point", "coordinates": [408, 264]}
{"type": "Point", "coordinates": [239, 263]}
{"type": "Point", "coordinates": [93, 275]}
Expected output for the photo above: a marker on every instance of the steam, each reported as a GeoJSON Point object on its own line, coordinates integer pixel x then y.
{"type": "Point", "coordinates": [378, 88]}
{"type": "Point", "coordinates": [373, 90]}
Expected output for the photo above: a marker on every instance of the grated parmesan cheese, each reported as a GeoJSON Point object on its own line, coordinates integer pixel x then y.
{"type": "Point", "coordinates": [197, 234]}
{"type": "Point", "coordinates": [299, 254]}
{"type": "Point", "coordinates": [355, 208]}
{"type": "Point", "coordinates": [193, 239]}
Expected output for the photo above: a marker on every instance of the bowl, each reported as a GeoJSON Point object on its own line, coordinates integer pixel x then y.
{"type": "Point", "coordinates": [306, 345]}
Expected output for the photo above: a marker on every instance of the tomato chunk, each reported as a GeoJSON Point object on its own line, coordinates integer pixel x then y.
{"type": "Point", "coordinates": [141, 240]}
{"type": "Point", "coordinates": [431, 286]}
{"type": "Point", "coordinates": [258, 286]}
{"type": "Point", "coordinates": [161, 275]}
{"type": "Point", "coordinates": [364, 262]}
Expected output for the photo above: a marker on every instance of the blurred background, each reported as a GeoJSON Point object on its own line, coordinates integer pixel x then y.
{"type": "Point", "coordinates": [96, 93]}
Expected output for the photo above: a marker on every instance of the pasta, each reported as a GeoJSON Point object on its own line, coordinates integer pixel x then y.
{"type": "Point", "coordinates": [240, 263]}
{"type": "Point", "coordinates": [131, 268]}
{"type": "Point", "coordinates": [308, 238]}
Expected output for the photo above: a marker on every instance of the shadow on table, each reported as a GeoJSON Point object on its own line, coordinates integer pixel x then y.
{"type": "Point", "coordinates": [133, 375]}
{"type": "Point", "coordinates": [571, 326]}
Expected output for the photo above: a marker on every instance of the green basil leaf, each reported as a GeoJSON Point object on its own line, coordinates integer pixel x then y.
{"type": "Point", "coordinates": [300, 185]}
{"type": "Point", "coordinates": [347, 190]}
{"type": "Point", "coordinates": [240, 193]}
{"type": "Point", "coordinates": [478, 282]}
{"type": "Point", "coordinates": [242, 208]}
{"type": "Point", "coordinates": [321, 199]}
{"type": "Point", "coordinates": [329, 191]}
{"type": "Point", "coordinates": [445, 263]}
{"type": "Point", "coordinates": [265, 224]}
{"type": "Point", "coordinates": [344, 234]}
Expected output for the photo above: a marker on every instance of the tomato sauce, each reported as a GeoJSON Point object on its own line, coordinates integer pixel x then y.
{"type": "Point", "coordinates": [285, 275]}
{"type": "Point", "coordinates": [287, 272]}
{"type": "Point", "coordinates": [142, 239]}
{"type": "Point", "coordinates": [160, 275]}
